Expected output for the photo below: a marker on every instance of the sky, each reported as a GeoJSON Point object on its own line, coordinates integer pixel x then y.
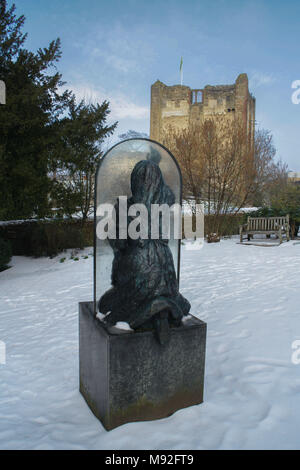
{"type": "Point", "coordinates": [116, 49]}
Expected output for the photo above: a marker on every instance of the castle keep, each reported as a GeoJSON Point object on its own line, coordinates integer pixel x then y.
{"type": "Point", "coordinates": [179, 106]}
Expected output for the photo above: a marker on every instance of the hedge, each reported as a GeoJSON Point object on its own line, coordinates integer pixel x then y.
{"type": "Point", "coordinates": [5, 253]}
{"type": "Point", "coordinates": [46, 238]}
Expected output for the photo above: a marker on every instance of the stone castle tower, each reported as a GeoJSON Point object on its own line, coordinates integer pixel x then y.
{"type": "Point", "coordinates": [179, 105]}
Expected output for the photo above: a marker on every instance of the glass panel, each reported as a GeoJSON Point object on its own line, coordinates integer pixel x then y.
{"type": "Point", "coordinates": [113, 180]}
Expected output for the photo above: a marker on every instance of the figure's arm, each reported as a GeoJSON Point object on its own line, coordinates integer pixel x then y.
{"type": "Point", "coordinates": [117, 243]}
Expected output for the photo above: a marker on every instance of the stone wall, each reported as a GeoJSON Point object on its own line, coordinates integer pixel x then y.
{"type": "Point", "coordinates": [180, 106]}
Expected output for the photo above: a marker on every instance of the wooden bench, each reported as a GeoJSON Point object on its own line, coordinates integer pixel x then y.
{"type": "Point", "coordinates": [266, 225]}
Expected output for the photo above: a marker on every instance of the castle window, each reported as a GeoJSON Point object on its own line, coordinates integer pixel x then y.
{"type": "Point", "coordinates": [196, 96]}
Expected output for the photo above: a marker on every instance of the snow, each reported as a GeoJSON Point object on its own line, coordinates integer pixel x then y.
{"type": "Point", "coordinates": [76, 215]}
{"type": "Point", "coordinates": [122, 325]}
{"type": "Point", "coordinates": [249, 297]}
{"type": "Point", "coordinates": [249, 209]}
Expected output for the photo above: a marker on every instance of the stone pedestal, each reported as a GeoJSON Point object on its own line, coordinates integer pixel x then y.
{"type": "Point", "coordinates": [128, 376]}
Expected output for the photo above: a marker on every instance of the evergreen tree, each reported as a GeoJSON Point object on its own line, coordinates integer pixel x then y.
{"type": "Point", "coordinates": [287, 201]}
{"type": "Point", "coordinates": [33, 105]}
{"type": "Point", "coordinates": [80, 135]}
{"type": "Point", "coordinates": [132, 134]}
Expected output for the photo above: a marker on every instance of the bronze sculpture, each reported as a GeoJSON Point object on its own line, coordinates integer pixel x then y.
{"type": "Point", "coordinates": [144, 290]}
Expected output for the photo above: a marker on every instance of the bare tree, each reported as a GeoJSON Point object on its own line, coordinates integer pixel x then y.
{"type": "Point", "coordinates": [217, 164]}
{"type": "Point", "coordinates": [271, 175]}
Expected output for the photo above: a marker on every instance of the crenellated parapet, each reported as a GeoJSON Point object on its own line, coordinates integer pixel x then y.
{"type": "Point", "coordinates": [179, 106]}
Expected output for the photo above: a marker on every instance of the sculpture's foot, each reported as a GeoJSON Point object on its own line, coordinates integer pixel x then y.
{"type": "Point", "coordinates": [108, 321]}
{"type": "Point", "coordinates": [161, 327]}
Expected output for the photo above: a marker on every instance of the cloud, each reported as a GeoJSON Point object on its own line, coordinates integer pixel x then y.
{"type": "Point", "coordinates": [120, 105]}
{"type": "Point", "coordinates": [121, 64]}
{"type": "Point", "coordinates": [123, 50]}
{"type": "Point", "coordinates": [258, 79]}
{"type": "Point", "coordinates": [116, 61]}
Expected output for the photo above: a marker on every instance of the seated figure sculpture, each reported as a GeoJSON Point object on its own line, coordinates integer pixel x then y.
{"type": "Point", "coordinates": [144, 290]}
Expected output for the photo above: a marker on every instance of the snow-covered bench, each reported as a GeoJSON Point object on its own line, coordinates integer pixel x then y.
{"type": "Point", "coordinates": [266, 225]}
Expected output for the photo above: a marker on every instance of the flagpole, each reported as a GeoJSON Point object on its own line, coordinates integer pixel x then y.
{"type": "Point", "coordinates": [181, 71]}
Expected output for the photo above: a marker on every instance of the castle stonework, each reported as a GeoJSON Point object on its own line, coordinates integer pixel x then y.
{"type": "Point", "coordinates": [180, 106]}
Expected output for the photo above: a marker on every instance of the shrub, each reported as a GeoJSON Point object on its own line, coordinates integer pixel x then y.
{"type": "Point", "coordinates": [228, 224]}
{"type": "Point", "coordinates": [5, 254]}
{"type": "Point", "coordinates": [47, 237]}
{"type": "Point", "coordinates": [51, 238]}
{"type": "Point", "coordinates": [212, 238]}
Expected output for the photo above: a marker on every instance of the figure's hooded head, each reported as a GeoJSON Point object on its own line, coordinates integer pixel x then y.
{"type": "Point", "coordinates": [148, 186]}
{"type": "Point", "coordinates": [154, 155]}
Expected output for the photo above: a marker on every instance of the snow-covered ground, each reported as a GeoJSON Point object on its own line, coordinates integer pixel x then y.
{"type": "Point", "coordinates": [248, 295]}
